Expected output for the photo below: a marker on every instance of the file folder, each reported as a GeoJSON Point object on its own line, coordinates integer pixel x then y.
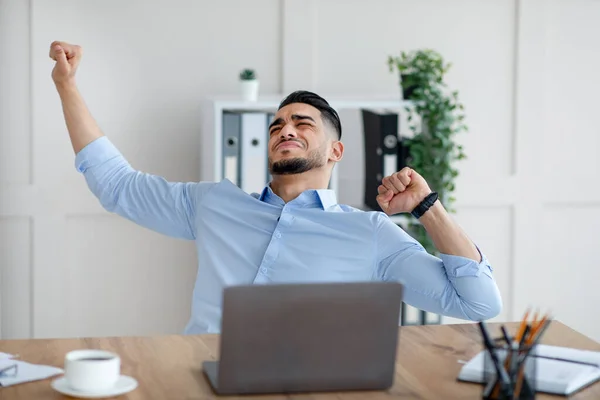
{"type": "Point", "coordinates": [244, 147]}
{"type": "Point", "coordinates": [381, 140]}
{"type": "Point", "coordinates": [430, 318]}
{"type": "Point", "coordinates": [403, 154]}
{"type": "Point", "coordinates": [254, 164]}
{"type": "Point", "coordinates": [410, 315]}
{"type": "Point", "coordinates": [231, 147]}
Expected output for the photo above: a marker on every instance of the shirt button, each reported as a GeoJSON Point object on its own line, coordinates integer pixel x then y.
{"type": "Point", "coordinates": [277, 234]}
{"type": "Point", "coordinates": [263, 270]}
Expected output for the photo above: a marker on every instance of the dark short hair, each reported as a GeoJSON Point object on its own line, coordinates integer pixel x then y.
{"type": "Point", "coordinates": [313, 99]}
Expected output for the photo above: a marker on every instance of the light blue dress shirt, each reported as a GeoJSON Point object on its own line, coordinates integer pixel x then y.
{"type": "Point", "coordinates": [258, 238]}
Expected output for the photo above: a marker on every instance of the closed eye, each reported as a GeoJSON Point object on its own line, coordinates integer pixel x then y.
{"type": "Point", "coordinates": [275, 129]}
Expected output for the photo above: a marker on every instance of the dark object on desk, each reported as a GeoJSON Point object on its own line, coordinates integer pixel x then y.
{"type": "Point", "coordinates": [510, 362]}
{"type": "Point", "coordinates": [499, 376]}
{"type": "Point", "coordinates": [520, 374]}
{"type": "Point", "coordinates": [316, 337]}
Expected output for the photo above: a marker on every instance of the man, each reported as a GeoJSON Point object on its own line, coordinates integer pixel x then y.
{"type": "Point", "coordinates": [294, 231]}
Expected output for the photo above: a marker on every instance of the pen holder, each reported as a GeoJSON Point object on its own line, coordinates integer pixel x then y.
{"type": "Point", "coordinates": [517, 380]}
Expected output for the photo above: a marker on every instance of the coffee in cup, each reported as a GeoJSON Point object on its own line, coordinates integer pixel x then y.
{"type": "Point", "coordinates": [92, 370]}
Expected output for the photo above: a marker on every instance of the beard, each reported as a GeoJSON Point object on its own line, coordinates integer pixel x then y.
{"type": "Point", "coordinates": [297, 165]}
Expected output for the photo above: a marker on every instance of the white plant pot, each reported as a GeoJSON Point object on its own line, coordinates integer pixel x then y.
{"type": "Point", "coordinates": [249, 90]}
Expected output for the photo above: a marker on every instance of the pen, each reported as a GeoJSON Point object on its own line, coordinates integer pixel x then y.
{"type": "Point", "coordinates": [523, 338]}
{"type": "Point", "coordinates": [514, 360]}
{"type": "Point", "coordinates": [501, 372]}
{"type": "Point", "coordinates": [512, 353]}
{"type": "Point", "coordinates": [505, 334]}
{"type": "Point", "coordinates": [511, 361]}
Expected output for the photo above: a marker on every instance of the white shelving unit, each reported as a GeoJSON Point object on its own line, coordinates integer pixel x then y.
{"type": "Point", "coordinates": [212, 117]}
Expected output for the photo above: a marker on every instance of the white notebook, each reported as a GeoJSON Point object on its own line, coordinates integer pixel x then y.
{"type": "Point", "coordinates": [552, 376]}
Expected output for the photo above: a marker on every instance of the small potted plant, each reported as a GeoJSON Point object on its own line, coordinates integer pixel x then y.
{"type": "Point", "coordinates": [249, 84]}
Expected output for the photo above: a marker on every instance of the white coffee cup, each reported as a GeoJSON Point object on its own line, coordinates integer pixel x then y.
{"type": "Point", "coordinates": [92, 370]}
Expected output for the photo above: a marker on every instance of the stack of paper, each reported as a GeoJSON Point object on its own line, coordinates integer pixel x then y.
{"type": "Point", "coordinates": [552, 376]}
{"type": "Point", "coordinates": [25, 372]}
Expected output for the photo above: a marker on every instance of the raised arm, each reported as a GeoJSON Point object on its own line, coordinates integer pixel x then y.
{"type": "Point", "coordinates": [458, 284]}
{"type": "Point", "coordinates": [148, 200]}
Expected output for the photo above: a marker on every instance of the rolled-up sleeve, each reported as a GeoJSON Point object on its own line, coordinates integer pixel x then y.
{"type": "Point", "coordinates": [450, 285]}
{"type": "Point", "coordinates": [147, 200]}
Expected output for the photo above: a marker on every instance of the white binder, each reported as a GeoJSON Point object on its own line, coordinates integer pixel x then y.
{"type": "Point", "coordinates": [411, 315]}
{"type": "Point", "coordinates": [253, 154]}
{"type": "Point", "coordinates": [432, 318]}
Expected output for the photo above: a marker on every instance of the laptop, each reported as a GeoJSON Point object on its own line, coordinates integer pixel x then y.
{"type": "Point", "coordinates": [309, 337]}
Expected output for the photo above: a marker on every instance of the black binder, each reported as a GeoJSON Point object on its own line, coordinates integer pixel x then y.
{"type": "Point", "coordinates": [381, 143]}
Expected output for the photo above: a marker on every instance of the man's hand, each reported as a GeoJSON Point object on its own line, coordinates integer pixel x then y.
{"type": "Point", "coordinates": [67, 57]}
{"type": "Point", "coordinates": [402, 191]}
{"type": "Point", "coordinates": [81, 125]}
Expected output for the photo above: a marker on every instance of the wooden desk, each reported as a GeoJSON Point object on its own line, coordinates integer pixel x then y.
{"type": "Point", "coordinates": [169, 367]}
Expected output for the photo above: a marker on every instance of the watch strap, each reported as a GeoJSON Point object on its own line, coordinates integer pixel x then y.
{"type": "Point", "coordinates": [425, 205]}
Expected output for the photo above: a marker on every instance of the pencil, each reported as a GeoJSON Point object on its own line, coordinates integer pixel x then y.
{"type": "Point", "coordinates": [537, 338]}
{"type": "Point", "coordinates": [525, 334]}
{"type": "Point", "coordinates": [536, 329]}
{"type": "Point", "coordinates": [532, 341]}
{"type": "Point", "coordinates": [522, 327]}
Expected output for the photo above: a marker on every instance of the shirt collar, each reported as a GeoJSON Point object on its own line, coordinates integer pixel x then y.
{"type": "Point", "coordinates": [323, 198]}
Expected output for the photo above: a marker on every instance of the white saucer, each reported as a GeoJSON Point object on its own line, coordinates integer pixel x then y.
{"type": "Point", "coordinates": [124, 384]}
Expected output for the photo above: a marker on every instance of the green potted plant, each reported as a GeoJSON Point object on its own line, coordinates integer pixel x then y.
{"type": "Point", "coordinates": [418, 69]}
{"type": "Point", "coordinates": [249, 84]}
{"type": "Point", "coordinates": [432, 150]}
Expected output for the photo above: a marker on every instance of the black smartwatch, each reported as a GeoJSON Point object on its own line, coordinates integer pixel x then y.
{"type": "Point", "coordinates": [424, 205]}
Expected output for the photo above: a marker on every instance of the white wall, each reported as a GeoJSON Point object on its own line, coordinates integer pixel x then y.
{"type": "Point", "coordinates": [525, 71]}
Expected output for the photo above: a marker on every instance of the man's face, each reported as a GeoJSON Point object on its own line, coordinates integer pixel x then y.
{"type": "Point", "coordinates": [299, 140]}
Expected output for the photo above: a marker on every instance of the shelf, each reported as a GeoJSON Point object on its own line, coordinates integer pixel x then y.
{"type": "Point", "coordinates": [271, 102]}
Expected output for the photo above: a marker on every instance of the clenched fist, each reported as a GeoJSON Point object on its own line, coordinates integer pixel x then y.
{"type": "Point", "coordinates": [402, 191]}
{"type": "Point", "coordinates": [67, 57]}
